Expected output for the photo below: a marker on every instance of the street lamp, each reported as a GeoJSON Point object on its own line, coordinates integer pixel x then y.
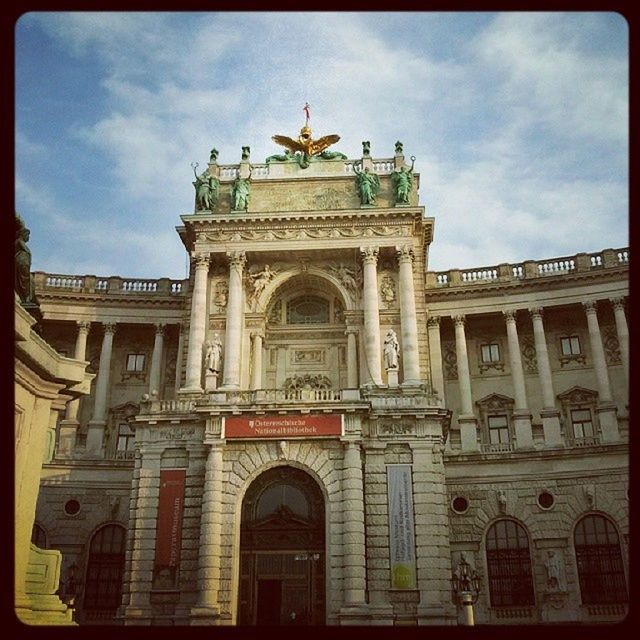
{"type": "Point", "coordinates": [465, 585]}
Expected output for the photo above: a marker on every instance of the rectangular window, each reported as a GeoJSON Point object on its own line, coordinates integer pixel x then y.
{"type": "Point", "coordinates": [135, 362]}
{"type": "Point", "coordinates": [582, 423]}
{"type": "Point", "coordinates": [498, 429]}
{"type": "Point", "coordinates": [570, 346]}
{"type": "Point", "coordinates": [490, 352]}
{"type": "Point", "coordinates": [126, 436]}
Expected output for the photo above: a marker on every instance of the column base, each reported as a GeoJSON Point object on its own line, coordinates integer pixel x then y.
{"type": "Point", "coordinates": [202, 615]}
{"type": "Point", "coordinates": [523, 429]}
{"type": "Point", "coordinates": [95, 438]}
{"type": "Point", "coordinates": [184, 391]}
{"type": "Point", "coordinates": [468, 433]}
{"type": "Point", "coordinates": [67, 440]}
{"type": "Point", "coordinates": [608, 417]}
{"type": "Point", "coordinates": [551, 427]}
{"type": "Point", "coordinates": [354, 614]}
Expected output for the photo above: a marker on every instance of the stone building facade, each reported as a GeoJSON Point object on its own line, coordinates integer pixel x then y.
{"type": "Point", "coordinates": [314, 428]}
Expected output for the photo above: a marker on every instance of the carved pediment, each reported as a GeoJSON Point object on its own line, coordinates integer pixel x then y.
{"type": "Point", "coordinates": [126, 411]}
{"type": "Point", "coordinates": [578, 395]}
{"type": "Point", "coordinates": [495, 402]}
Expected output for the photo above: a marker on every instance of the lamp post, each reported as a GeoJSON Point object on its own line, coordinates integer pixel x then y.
{"type": "Point", "coordinates": [465, 585]}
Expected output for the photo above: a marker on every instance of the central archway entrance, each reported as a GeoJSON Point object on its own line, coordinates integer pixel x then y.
{"type": "Point", "coordinates": [282, 550]}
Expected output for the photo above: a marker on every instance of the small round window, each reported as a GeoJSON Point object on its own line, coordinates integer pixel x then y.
{"type": "Point", "coordinates": [71, 507]}
{"type": "Point", "coordinates": [459, 504]}
{"type": "Point", "coordinates": [546, 500]}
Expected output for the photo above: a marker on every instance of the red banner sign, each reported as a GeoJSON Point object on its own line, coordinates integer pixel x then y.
{"type": "Point", "coordinates": [275, 426]}
{"type": "Point", "coordinates": [169, 527]}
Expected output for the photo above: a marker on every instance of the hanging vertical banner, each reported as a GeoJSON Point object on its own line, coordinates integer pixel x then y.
{"type": "Point", "coordinates": [169, 528]}
{"type": "Point", "coordinates": [401, 527]}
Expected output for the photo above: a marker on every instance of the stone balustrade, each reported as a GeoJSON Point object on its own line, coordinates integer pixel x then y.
{"type": "Point", "coordinates": [109, 285]}
{"type": "Point", "coordinates": [228, 172]}
{"type": "Point", "coordinates": [529, 269]}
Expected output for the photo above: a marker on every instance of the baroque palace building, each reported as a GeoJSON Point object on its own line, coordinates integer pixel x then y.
{"type": "Point", "coordinates": [314, 428]}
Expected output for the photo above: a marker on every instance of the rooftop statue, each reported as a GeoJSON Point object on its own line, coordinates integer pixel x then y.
{"type": "Point", "coordinates": [207, 189]}
{"type": "Point", "coordinates": [24, 285]}
{"type": "Point", "coordinates": [368, 184]}
{"type": "Point", "coordinates": [241, 194]}
{"type": "Point", "coordinates": [402, 182]}
{"type": "Point", "coordinates": [305, 145]}
{"type": "Point", "coordinates": [213, 157]}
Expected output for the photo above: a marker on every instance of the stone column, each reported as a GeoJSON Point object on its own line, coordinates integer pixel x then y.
{"type": "Point", "coordinates": [197, 326]}
{"type": "Point", "coordinates": [433, 557]}
{"type": "Point", "coordinates": [435, 357]}
{"type": "Point", "coordinates": [156, 359]}
{"type": "Point", "coordinates": [549, 414]}
{"type": "Point", "coordinates": [408, 321]}
{"type": "Point", "coordinates": [353, 541]}
{"type": "Point", "coordinates": [144, 539]}
{"type": "Point", "coordinates": [521, 414]}
{"type": "Point", "coordinates": [606, 408]}
{"type": "Point", "coordinates": [210, 537]}
{"type": "Point", "coordinates": [623, 333]}
{"type": "Point", "coordinates": [69, 426]}
{"type": "Point", "coordinates": [256, 373]}
{"type": "Point", "coordinates": [179, 357]}
{"type": "Point", "coordinates": [352, 358]}
{"type": "Point", "coordinates": [371, 315]}
{"type": "Point", "coordinates": [235, 321]}
{"type": "Point", "coordinates": [95, 431]}
{"type": "Point", "coordinates": [377, 533]}
{"type": "Point", "coordinates": [466, 419]}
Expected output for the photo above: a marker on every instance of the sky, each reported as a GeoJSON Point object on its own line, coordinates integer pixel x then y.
{"type": "Point", "coordinates": [518, 121]}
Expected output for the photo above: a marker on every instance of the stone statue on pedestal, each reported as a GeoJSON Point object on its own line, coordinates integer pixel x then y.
{"type": "Point", "coordinates": [391, 350]}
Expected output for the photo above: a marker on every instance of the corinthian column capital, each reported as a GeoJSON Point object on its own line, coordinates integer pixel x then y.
{"type": "Point", "coordinates": [618, 303]}
{"type": "Point", "coordinates": [201, 260]}
{"type": "Point", "coordinates": [369, 255]}
{"type": "Point", "coordinates": [459, 320]}
{"type": "Point", "coordinates": [109, 327]}
{"type": "Point", "coordinates": [510, 315]}
{"type": "Point", "coordinates": [590, 307]}
{"type": "Point", "coordinates": [83, 326]}
{"type": "Point", "coordinates": [536, 312]}
{"type": "Point", "coordinates": [433, 321]}
{"type": "Point", "coordinates": [237, 259]}
{"type": "Point", "coordinates": [160, 328]}
{"type": "Point", "coordinates": [405, 253]}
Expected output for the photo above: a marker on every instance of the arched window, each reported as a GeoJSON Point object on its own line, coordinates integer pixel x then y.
{"type": "Point", "coordinates": [509, 565]}
{"type": "Point", "coordinates": [599, 561]}
{"type": "Point", "coordinates": [39, 536]}
{"type": "Point", "coordinates": [308, 310]}
{"type": "Point", "coordinates": [103, 583]}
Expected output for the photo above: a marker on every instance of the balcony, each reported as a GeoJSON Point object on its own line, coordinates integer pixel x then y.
{"type": "Point", "coordinates": [113, 285]}
{"type": "Point", "coordinates": [528, 270]}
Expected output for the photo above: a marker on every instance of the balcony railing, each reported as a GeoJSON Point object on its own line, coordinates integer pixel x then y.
{"type": "Point", "coordinates": [528, 270]}
{"type": "Point", "coordinates": [113, 285]}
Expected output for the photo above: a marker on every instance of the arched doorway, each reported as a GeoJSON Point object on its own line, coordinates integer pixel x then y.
{"type": "Point", "coordinates": [282, 550]}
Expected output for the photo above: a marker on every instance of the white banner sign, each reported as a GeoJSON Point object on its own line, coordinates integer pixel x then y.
{"type": "Point", "coordinates": [401, 527]}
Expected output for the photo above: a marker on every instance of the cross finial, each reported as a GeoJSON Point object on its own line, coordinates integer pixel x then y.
{"type": "Point", "coordinates": [307, 113]}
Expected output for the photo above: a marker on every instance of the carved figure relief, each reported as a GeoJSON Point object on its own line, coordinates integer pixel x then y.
{"type": "Point", "coordinates": [275, 313]}
{"type": "Point", "coordinates": [502, 501]}
{"type": "Point", "coordinates": [338, 311]}
{"type": "Point", "coordinates": [529, 359]}
{"type": "Point", "coordinates": [347, 278]}
{"type": "Point", "coordinates": [221, 294]}
{"type": "Point", "coordinates": [314, 356]}
{"type": "Point", "coordinates": [450, 360]}
{"type": "Point", "coordinates": [387, 291]}
{"type": "Point", "coordinates": [258, 281]}
{"type": "Point", "coordinates": [554, 566]}
{"type": "Point", "coordinates": [611, 345]}
{"type": "Point", "coordinates": [307, 381]}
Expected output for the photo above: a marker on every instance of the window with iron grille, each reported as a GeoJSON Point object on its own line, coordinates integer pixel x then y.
{"type": "Point", "coordinates": [582, 423]}
{"type": "Point", "coordinates": [498, 429]}
{"type": "Point", "coordinates": [599, 561]}
{"type": "Point", "coordinates": [509, 565]}
{"type": "Point", "coordinates": [103, 582]}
